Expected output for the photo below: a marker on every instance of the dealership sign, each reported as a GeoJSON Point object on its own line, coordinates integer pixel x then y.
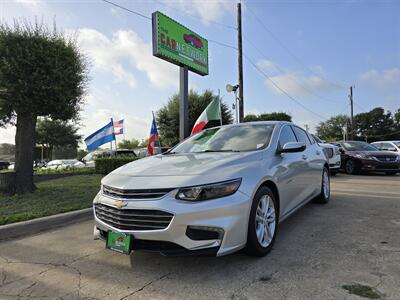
{"type": "Point", "coordinates": [179, 45]}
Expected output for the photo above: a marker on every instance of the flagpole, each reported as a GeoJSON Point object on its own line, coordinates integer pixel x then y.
{"type": "Point", "coordinates": [220, 109]}
{"type": "Point", "coordinates": [115, 139]}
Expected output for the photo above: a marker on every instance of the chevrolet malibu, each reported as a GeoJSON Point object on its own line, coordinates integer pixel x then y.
{"type": "Point", "coordinates": [221, 190]}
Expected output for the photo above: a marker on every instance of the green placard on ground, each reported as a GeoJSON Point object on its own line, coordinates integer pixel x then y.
{"type": "Point", "coordinates": [179, 45]}
{"type": "Point", "coordinates": [119, 242]}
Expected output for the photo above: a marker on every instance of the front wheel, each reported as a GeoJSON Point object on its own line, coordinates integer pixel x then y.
{"type": "Point", "coordinates": [325, 194]}
{"type": "Point", "coordinates": [263, 223]}
{"type": "Point", "coordinates": [350, 166]}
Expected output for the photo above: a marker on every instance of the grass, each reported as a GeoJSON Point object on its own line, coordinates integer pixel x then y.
{"type": "Point", "coordinates": [51, 197]}
{"type": "Point", "coordinates": [362, 291]}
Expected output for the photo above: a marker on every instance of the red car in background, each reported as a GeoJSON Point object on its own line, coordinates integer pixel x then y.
{"type": "Point", "coordinates": [193, 40]}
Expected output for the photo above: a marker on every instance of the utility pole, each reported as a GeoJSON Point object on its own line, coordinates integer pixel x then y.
{"type": "Point", "coordinates": [306, 127]}
{"type": "Point", "coordinates": [240, 61]}
{"type": "Point", "coordinates": [351, 113]}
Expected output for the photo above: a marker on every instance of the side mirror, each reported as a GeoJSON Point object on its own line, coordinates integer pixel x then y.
{"type": "Point", "coordinates": [292, 147]}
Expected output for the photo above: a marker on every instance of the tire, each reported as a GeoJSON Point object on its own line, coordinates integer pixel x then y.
{"type": "Point", "coordinates": [350, 167]}
{"type": "Point", "coordinates": [325, 194]}
{"type": "Point", "coordinates": [264, 207]}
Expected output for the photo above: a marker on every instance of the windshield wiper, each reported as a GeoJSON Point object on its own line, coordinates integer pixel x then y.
{"type": "Point", "coordinates": [229, 150]}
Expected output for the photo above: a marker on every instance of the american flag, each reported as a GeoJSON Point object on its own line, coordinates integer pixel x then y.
{"type": "Point", "coordinates": [119, 127]}
{"type": "Point", "coordinates": [152, 138]}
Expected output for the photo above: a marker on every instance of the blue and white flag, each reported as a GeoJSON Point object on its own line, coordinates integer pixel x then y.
{"type": "Point", "coordinates": [100, 137]}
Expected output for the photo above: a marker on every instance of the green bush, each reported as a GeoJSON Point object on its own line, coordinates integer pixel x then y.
{"type": "Point", "coordinates": [70, 170]}
{"type": "Point", "coordinates": [105, 165]}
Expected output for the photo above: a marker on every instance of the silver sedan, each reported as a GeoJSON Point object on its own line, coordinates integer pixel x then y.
{"type": "Point", "coordinates": [219, 191]}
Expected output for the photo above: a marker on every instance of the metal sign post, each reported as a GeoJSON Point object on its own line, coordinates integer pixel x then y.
{"type": "Point", "coordinates": [183, 103]}
{"type": "Point", "coordinates": [181, 46]}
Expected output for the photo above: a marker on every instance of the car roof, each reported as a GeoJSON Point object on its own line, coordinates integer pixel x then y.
{"type": "Point", "coordinates": [386, 141]}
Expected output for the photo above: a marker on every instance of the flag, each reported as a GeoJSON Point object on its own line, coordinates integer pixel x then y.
{"type": "Point", "coordinates": [119, 127]}
{"type": "Point", "coordinates": [212, 112]}
{"type": "Point", "coordinates": [103, 135]}
{"type": "Point", "coordinates": [152, 138]}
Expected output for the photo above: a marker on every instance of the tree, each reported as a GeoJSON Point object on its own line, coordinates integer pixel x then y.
{"type": "Point", "coordinates": [7, 149]}
{"type": "Point", "coordinates": [274, 116]}
{"type": "Point", "coordinates": [332, 129]}
{"type": "Point", "coordinates": [374, 124]}
{"type": "Point", "coordinates": [129, 144]}
{"type": "Point", "coordinates": [42, 73]}
{"type": "Point", "coordinates": [168, 115]}
{"type": "Point", "coordinates": [56, 133]}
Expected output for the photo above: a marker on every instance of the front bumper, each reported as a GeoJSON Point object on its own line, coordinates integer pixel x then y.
{"type": "Point", "coordinates": [370, 165]}
{"type": "Point", "coordinates": [228, 216]}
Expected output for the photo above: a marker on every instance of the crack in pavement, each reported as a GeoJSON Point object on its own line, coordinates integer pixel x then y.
{"type": "Point", "coordinates": [52, 267]}
{"type": "Point", "coordinates": [146, 285]}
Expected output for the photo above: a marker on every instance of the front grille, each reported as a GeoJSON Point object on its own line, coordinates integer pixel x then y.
{"type": "Point", "coordinates": [133, 219]}
{"type": "Point", "coordinates": [386, 158]}
{"type": "Point", "coordinates": [390, 167]}
{"type": "Point", "coordinates": [134, 194]}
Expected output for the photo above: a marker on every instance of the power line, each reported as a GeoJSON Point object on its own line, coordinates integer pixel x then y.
{"type": "Point", "coordinates": [288, 50]}
{"type": "Point", "coordinates": [282, 90]}
{"type": "Point", "coordinates": [284, 71]}
{"type": "Point", "coordinates": [127, 9]}
{"type": "Point", "coordinates": [232, 47]}
{"type": "Point", "coordinates": [223, 44]}
{"type": "Point", "coordinates": [193, 17]}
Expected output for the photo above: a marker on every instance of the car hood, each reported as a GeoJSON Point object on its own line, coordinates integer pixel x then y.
{"type": "Point", "coordinates": [176, 170]}
{"type": "Point", "coordinates": [372, 153]}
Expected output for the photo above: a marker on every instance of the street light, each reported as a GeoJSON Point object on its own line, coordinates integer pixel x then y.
{"type": "Point", "coordinates": [233, 88]}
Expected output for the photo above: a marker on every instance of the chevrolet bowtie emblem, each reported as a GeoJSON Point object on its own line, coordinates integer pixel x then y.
{"type": "Point", "coordinates": [120, 204]}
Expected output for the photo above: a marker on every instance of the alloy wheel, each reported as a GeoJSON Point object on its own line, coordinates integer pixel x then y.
{"type": "Point", "coordinates": [265, 221]}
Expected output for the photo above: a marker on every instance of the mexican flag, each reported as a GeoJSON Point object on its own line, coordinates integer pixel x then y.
{"type": "Point", "coordinates": [212, 112]}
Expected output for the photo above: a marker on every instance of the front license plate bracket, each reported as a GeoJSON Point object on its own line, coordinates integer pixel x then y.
{"type": "Point", "coordinates": [119, 242]}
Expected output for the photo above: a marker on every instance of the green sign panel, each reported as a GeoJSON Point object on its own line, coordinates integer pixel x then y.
{"type": "Point", "coordinates": [179, 45]}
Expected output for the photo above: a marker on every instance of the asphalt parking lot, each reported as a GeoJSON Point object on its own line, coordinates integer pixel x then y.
{"type": "Point", "coordinates": [355, 239]}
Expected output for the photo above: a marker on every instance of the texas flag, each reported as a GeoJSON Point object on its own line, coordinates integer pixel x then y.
{"type": "Point", "coordinates": [152, 138]}
{"type": "Point", "coordinates": [119, 127]}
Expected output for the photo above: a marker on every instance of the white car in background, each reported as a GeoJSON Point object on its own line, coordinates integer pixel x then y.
{"type": "Point", "coordinates": [393, 146]}
{"type": "Point", "coordinates": [333, 154]}
{"type": "Point", "coordinates": [64, 164]}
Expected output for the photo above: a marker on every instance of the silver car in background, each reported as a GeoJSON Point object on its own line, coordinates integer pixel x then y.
{"type": "Point", "coordinates": [333, 154]}
{"type": "Point", "coordinates": [219, 191]}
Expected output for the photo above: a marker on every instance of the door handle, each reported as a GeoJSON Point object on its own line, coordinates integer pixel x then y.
{"type": "Point", "coordinates": [318, 152]}
{"type": "Point", "coordinates": [304, 156]}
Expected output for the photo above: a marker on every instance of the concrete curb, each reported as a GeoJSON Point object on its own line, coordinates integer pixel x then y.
{"type": "Point", "coordinates": [35, 226]}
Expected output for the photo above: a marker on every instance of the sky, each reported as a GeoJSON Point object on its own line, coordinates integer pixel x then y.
{"type": "Point", "coordinates": [301, 56]}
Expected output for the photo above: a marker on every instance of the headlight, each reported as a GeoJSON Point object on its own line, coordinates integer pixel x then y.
{"type": "Point", "coordinates": [209, 191]}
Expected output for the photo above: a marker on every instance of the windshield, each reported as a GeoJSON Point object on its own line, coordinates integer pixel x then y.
{"type": "Point", "coordinates": [397, 143]}
{"type": "Point", "coordinates": [227, 139]}
{"type": "Point", "coordinates": [317, 139]}
{"type": "Point", "coordinates": [359, 146]}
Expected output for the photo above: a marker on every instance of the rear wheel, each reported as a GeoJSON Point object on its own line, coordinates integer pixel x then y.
{"type": "Point", "coordinates": [263, 223]}
{"type": "Point", "coordinates": [325, 194]}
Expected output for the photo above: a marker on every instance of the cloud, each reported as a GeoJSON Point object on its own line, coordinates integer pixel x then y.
{"type": "Point", "coordinates": [122, 52]}
{"type": "Point", "coordinates": [382, 79]}
{"type": "Point", "coordinates": [267, 65]}
{"type": "Point", "coordinates": [208, 10]}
